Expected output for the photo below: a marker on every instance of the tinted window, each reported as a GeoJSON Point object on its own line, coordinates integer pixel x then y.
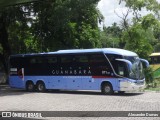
{"type": "Point", "coordinates": [51, 60]}
{"type": "Point", "coordinates": [81, 59]}
{"type": "Point", "coordinates": [119, 66]}
{"type": "Point", "coordinates": [100, 65]}
{"type": "Point", "coordinates": [67, 59]}
{"type": "Point", "coordinates": [36, 60]}
{"type": "Point", "coordinates": [97, 59]}
{"type": "Point", "coordinates": [35, 65]}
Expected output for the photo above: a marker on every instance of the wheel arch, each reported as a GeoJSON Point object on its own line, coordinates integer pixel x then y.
{"type": "Point", "coordinates": [40, 81]}
{"type": "Point", "coordinates": [107, 88]}
{"type": "Point", "coordinates": [29, 81]}
{"type": "Point", "coordinates": [106, 82]}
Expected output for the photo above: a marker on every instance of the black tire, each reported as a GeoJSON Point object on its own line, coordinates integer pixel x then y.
{"type": "Point", "coordinates": [41, 87]}
{"type": "Point", "coordinates": [30, 87]}
{"type": "Point", "coordinates": [107, 89]}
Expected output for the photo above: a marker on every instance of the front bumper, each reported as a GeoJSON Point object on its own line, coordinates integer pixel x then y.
{"type": "Point", "coordinates": [131, 86]}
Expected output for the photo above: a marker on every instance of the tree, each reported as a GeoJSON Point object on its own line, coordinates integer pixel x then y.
{"type": "Point", "coordinates": [140, 35]}
{"type": "Point", "coordinates": [111, 36]}
{"type": "Point", "coordinates": [157, 47]}
{"type": "Point", "coordinates": [137, 41]}
{"type": "Point", "coordinates": [10, 16]}
{"type": "Point", "coordinates": [137, 5]}
{"type": "Point", "coordinates": [61, 25]}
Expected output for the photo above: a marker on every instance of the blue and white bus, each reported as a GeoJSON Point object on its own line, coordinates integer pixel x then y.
{"type": "Point", "coordinates": [106, 69]}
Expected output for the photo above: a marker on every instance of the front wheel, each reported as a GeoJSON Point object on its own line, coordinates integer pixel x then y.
{"type": "Point", "coordinates": [107, 89]}
{"type": "Point", "coordinates": [41, 87]}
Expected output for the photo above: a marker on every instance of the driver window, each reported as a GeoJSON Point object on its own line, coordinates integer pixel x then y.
{"type": "Point", "coordinates": [121, 69]}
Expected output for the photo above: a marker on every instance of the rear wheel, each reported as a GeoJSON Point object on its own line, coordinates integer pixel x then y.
{"type": "Point", "coordinates": [30, 87]}
{"type": "Point", "coordinates": [107, 89]}
{"type": "Point", "coordinates": [41, 87]}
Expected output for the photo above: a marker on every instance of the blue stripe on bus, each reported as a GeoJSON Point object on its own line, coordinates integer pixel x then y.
{"type": "Point", "coordinates": [66, 82]}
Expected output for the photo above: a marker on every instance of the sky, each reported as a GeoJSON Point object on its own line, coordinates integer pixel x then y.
{"type": "Point", "coordinates": [109, 9]}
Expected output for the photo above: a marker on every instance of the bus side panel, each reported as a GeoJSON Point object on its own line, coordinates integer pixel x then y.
{"type": "Point", "coordinates": [96, 83]}
{"type": "Point", "coordinates": [89, 83]}
{"type": "Point", "coordinates": [56, 82]}
{"type": "Point", "coordinates": [73, 82]}
{"type": "Point", "coordinates": [16, 82]}
{"type": "Point", "coordinates": [66, 82]}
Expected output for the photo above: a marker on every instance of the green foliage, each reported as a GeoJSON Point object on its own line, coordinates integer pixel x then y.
{"type": "Point", "coordinates": [137, 5]}
{"type": "Point", "coordinates": [157, 73]}
{"type": "Point", "coordinates": [141, 37]}
{"type": "Point", "coordinates": [149, 21]}
{"type": "Point", "coordinates": [88, 37]}
{"type": "Point", "coordinates": [61, 25]}
{"type": "Point", "coordinates": [149, 75]}
{"type": "Point", "coordinates": [157, 47]}
{"type": "Point", "coordinates": [137, 40]}
{"type": "Point", "coordinates": [51, 25]}
{"type": "Point", "coordinates": [111, 36]}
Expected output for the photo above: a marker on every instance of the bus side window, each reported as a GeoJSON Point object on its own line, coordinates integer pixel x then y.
{"type": "Point", "coordinates": [36, 60]}
{"type": "Point", "coordinates": [36, 66]}
{"type": "Point", "coordinates": [99, 65]}
{"type": "Point", "coordinates": [51, 60]}
{"type": "Point", "coordinates": [66, 59]}
{"type": "Point", "coordinates": [81, 59]}
{"type": "Point", "coordinates": [81, 63]}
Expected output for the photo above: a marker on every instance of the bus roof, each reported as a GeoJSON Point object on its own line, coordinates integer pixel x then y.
{"type": "Point", "coordinates": [155, 54]}
{"type": "Point", "coordinates": [70, 51]}
{"type": "Point", "coordinates": [104, 50]}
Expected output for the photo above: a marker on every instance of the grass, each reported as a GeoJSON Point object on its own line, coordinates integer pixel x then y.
{"type": "Point", "coordinates": [154, 86]}
{"type": "Point", "coordinates": [155, 66]}
{"type": "Point", "coordinates": [157, 73]}
{"type": "Point", "coordinates": [153, 89]}
{"type": "Point", "coordinates": [156, 70]}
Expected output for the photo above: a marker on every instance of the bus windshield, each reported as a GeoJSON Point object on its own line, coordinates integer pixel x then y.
{"type": "Point", "coordinates": [136, 72]}
{"type": "Point", "coordinates": [122, 69]}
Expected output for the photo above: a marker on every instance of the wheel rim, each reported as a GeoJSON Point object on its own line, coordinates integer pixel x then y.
{"type": "Point", "coordinates": [40, 87]}
{"type": "Point", "coordinates": [107, 89]}
{"type": "Point", "coordinates": [30, 86]}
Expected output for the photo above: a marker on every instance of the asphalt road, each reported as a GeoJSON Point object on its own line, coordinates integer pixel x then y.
{"type": "Point", "coordinates": [20, 100]}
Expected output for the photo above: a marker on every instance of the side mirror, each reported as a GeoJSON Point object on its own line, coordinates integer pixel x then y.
{"type": "Point", "coordinates": [145, 63]}
{"type": "Point", "coordinates": [126, 61]}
